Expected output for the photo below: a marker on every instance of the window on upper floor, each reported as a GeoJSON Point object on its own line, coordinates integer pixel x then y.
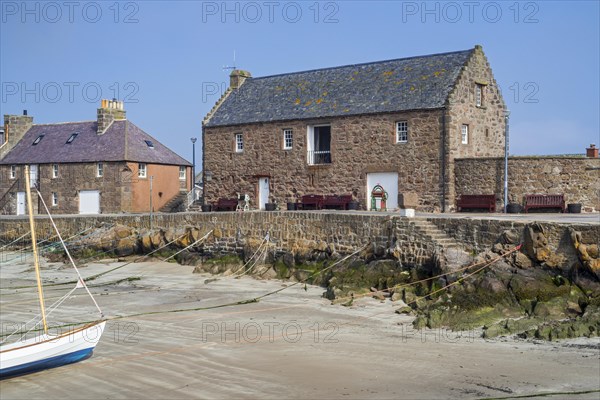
{"type": "Point", "coordinates": [288, 139]}
{"type": "Point", "coordinates": [479, 94]}
{"type": "Point", "coordinates": [181, 173]}
{"type": "Point", "coordinates": [99, 170]}
{"type": "Point", "coordinates": [319, 144]}
{"type": "Point", "coordinates": [54, 199]}
{"type": "Point", "coordinates": [401, 131]}
{"type": "Point", "coordinates": [72, 137]}
{"type": "Point", "coordinates": [464, 134]}
{"type": "Point", "coordinates": [54, 170]}
{"type": "Point", "coordinates": [37, 140]}
{"type": "Point", "coordinates": [13, 171]}
{"type": "Point", "coordinates": [141, 170]}
{"type": "Point", "coordinates": [239, 143]}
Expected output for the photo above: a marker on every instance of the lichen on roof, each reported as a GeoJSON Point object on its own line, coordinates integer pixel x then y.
{"type": "Point", "coordinates": [413, 83]}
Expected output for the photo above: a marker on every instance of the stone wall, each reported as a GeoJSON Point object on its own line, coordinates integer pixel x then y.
{"type": "Point", "coordinates": [302, 231]}
{"type": "Point", "coordinates": [359, 145]}
{"type": "Point", "coordinates": [578, 178]}
{"type": "Point", "coordinates": [486, 123]}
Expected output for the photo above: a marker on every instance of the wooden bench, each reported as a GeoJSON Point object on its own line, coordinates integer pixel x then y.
{"type": "Point", "coordinates": [225, 205]}
{"type": "Point", "coordinates": [337, 202]}
{"type": "Point", "coordinates": [544, 201]}
{"type": "Point", "coordinates": [311, 202]}
{"type": "Point", "coordinates": [477, 201]}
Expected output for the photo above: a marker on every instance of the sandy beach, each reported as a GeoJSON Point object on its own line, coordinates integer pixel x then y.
{"type": "Point", "coordinates": [293, 344]}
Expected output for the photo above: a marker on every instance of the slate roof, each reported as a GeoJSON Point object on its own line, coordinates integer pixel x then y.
{"type": "Point", "coordinates": [413, 83]}
{"type": "Point", "coordinates": [122, 141]}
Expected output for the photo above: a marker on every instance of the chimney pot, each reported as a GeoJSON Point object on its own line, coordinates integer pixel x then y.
{"type": "Point", "coordinates": [592, 151]}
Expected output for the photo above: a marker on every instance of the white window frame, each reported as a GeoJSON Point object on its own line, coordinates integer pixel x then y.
{"type": "Point", "coordinates": [182, 173]}
{"type": "Point", "coordinates": [464, 133]}
{"type": "Point", "coordinates": [239, 142]}
{"type": "Point", "coordinates": [13, 171]}
{"type": "Point", "coordinates": [99, 170]}
{"type": "Point", "coordinates": [54, 199]}
{"type": "Point", "coordinates": [479, 88]}
{"type": "Point", "coordinates": [402, 134]}
{"type": "Point", "coordinates": [142, 170]}
{"type": "Point", "coordinates": [54, 171]}
{"type": "Point", "coordinates": [288, 139]}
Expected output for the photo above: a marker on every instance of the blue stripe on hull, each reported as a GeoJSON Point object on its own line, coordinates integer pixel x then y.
{"type": "Point", "coordinates": [47, 363]}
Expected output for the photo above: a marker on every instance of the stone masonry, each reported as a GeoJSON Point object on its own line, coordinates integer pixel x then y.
{"type": "Point", "coordinates": [362, 144]}
{"type": "Point", "coordinates": [577, 178]}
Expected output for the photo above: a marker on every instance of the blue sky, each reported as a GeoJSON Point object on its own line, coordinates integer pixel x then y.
{"type": "Point", "coordinates": [165, 59]}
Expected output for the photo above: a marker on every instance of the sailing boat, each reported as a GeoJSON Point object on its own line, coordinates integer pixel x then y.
{"type": "Point", "coordinates": [46, 350]}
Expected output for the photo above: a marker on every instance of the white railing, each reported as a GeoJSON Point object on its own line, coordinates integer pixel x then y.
{"type": "Point", "coordinates": [318, 157]}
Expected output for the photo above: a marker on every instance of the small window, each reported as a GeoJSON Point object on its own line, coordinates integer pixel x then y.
{"type": "Point", "coordinates": [99, 170]}
{"type": "Point", "coordinates": [465, 134]}
{"type": "Point", "coordinates": [141, 170]}
{"type": "Point", "coordinates": [72, 137]}
{"type": "Point", "coordinates": [149, 143]}
{"type": "Point", "coordinates": [401, 132]}
{"type": "Point", "coordinates": [13, 171]}
{"type": "Point", "coordinates": [54, 199]}
{"type": "Point", "coordinates": [288, 139]}
{"type": "Point", "coordinates": [37, 140]}
{"type": "Point", "coordinates": [54, 170]}
{"type": "Point", "coordinates": [479, 94]}
{"type": "Point", "coordinates": [239, 143]}
{"type": "Point", "coordinates": [182, 173]}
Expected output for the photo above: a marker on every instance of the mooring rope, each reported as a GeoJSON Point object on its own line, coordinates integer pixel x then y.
{"type": "Point", "coordinates": [258, 298]}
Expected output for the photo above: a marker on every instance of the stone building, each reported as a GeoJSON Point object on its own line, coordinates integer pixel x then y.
{"type": "Point", "coordinates": [399, 123]}
{"type": "Point", "coordinates": [108, 165]}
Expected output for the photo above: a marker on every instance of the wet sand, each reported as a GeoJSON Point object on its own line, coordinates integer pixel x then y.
{"type": "Point", "coordinates": [293, 344]}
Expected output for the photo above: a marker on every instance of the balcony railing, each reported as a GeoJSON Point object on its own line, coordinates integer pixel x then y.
{"type": "Point", "coordinates": [319, 157]}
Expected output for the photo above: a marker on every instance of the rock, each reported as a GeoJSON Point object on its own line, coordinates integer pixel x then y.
{"type": "Point", "coordinates": [510, 236]}
{"type": "Point", "coordinates": [522, 261]}
{"type": "Point", "coordinates": [397, 296]}
{"type": "Point", "coordinates": [536, 243]}
{"type": "Point", "coordinates": [122, 231]}
{"type": "Point", "coordinates": [404, 310]}
{"type": "Point", "coordinates": [573, 308]}
{"type": "Point", "coordinates": [126, 247]}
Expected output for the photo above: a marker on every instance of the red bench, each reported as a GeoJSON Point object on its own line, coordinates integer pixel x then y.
{"type": "Point", "coordinates": [545, 201]}
{"type": "Point", "coordinates": [226, 205]}
{"type": "Point", "coordinates": [474, 201]}
{"type": "Point", "coordinates": [337, 202]}
{"type": "Point", "coordinates": [311, 202]}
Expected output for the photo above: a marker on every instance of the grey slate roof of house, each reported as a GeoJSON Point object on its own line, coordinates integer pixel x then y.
{"type": "Point", "coordinates": [122, 141]}
{"type": "Point", "coordinates": [413, 83]}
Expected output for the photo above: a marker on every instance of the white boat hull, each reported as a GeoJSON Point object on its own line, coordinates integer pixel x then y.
{"type": "Point", "coordinates": [47, 351]}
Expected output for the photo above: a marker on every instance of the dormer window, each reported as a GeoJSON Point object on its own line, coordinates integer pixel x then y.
{"type": "Point", "coordinates": [72, 137]}
{"type": "Point", "coordinates": [37, 140]}
{"type": "Point", "coordinates": [149, 143]}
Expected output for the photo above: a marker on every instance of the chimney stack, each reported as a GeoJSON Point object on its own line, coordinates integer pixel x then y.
{"type": "Point", "coordinates": [592, 151]}
{"type": "Point", "coordinates": [109, 111]}
{"type": "Point", "coordinates": [15, 127]}
{"type": "Point", "coordinates": [238, 77]}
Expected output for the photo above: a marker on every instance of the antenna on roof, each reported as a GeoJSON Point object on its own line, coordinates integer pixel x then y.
{"type": "Point", "coordinates": [226, 67]}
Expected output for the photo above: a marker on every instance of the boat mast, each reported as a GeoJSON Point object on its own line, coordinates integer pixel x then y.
{"type": "Point", "coordinates": [36, 260]}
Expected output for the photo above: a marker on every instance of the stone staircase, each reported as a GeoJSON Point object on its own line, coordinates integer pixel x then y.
{"type": "Point", "coordinates": [176, 204]}
{"type": "Point", "coordinates": [452, 252]}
